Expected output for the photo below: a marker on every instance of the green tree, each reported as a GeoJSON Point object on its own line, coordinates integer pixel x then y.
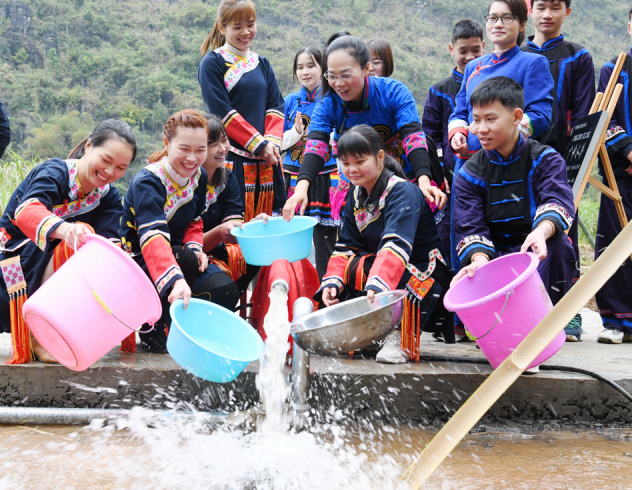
{"type": "Point", "coordinates": [21, 57]}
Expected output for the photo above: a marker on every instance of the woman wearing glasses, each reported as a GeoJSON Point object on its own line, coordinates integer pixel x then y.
{"type": "Point", "coordinates": [351, 98]}
{"type": "Point", "coordinates": [382, 64]}
{"type": "Point", "coordinates": [505, 24]}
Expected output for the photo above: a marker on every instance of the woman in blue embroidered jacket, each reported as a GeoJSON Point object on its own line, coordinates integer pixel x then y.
{"type": "Point", "coordinates": [326, 196]}
{"type": "Point", "coordinates": [224, 210]}
{"type": "Point", "coordinates": [506, 23]}
{"type": "Point", "coordinates": [389, 241]}
{"type": "Point", "coordinates": [239, 86]}
{"type": "Point", "coordinates": [162, 223]}
{"type": "Point", "coordinates": [351, 98]}
{"type": "Point", "coordinates": [55, 206]}
{"type": "Point", "coordinates": [513, 194]}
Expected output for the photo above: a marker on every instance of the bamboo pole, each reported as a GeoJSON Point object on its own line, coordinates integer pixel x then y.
{"type": "Point", "coordinates": [504, 376]}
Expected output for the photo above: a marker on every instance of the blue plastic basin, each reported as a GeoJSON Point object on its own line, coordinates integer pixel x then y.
{"type": "Point", "coordinates": [210, 341]}
{"type": "Point", "coordinates": [263, 244]}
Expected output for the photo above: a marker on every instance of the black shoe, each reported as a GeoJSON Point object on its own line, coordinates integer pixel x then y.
{"type": "Point", "coordinates": [154, 341]}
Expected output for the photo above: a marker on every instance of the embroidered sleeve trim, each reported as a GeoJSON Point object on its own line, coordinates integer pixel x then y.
{"type": "Point", "coordinates": [151, 234]}
{"type": "Point", "coordinates": [319, 148]}
{"type": "Point", "coordinates": [274, 126]}
{"type": "Point", "coordinates": [554, 210]}
{"type": "Point", "coordinates": [474, 240]}
{"type": "Point", "coordinates": [414, 141]}
{"type": "Point", "coordinates": [233, 217]}
{"type": "Point", "coordinates": [242, 132]}
{"type": "Point", "coordinates": [194, 246]}
{"type": "Point", "coordinates": [457, 126]}
{"type": "Point", "coordinates": [396, 250]}
{"type": "Point", "coordinates": [332, 282]}
{"type": "Point", "coordinates": [377, 283]}
{"type": "Point", "coordinates": [170, 276]}
{"type": "Point", "coordinates": [44, 229]}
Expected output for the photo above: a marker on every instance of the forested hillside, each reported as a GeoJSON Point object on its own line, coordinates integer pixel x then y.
{"type": "Point", "coordinates": [65, 64]}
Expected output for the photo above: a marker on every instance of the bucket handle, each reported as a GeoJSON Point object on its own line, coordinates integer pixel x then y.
{"type": "Point", "coordinates": [471, 337]}
{"type": "Point", "coordinates": [102, 303]}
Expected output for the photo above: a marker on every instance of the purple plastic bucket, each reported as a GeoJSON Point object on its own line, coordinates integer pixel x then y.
{"type": "Point", "coordinates": [502, 304]}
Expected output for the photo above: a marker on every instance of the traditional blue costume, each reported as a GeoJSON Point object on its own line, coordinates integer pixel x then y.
{"type": "Point", "coordinates": [532, 72]}
{"type": "Point", "coordinates": [387, 106]}
{"type": "Point", "coordinates": [440, 105]}
{"type": "Point", "coordinates": [499, 201]}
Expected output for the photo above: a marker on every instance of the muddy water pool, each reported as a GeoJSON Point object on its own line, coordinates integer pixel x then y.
{"type": "Point", "coordinates": [186, 456]}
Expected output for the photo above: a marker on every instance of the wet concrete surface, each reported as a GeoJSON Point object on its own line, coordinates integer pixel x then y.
{"type": "Point", "coordinates": [345, 388]}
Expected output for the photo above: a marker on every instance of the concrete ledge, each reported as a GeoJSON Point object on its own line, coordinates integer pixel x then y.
{"type": "Point", "coordinates": [351, 389]}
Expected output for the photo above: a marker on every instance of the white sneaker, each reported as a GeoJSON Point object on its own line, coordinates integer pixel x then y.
{"type": "Point", "coordinates": [392, 352]}
{"type": "Point", "coordinates": [533, 370]}
{"type": "Point", "coordinates": [610, 336]}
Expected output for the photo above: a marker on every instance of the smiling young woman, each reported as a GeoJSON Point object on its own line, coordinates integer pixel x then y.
{"type": "Point", "coordinates": [162, 223]}
{"type": "Point", "coordinates": [352, 98]}
{"type": "Point", "coordinates": [326, 196]}
{"type": "Point", "coordinates": [54, 208]}
{"type": "Point", "coordinates": [240, 88]}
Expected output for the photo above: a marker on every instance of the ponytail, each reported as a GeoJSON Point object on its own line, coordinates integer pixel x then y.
{"type": "Point", "coordinates": [228, 12]}
{"type": "Point", "coordinates": [105, 131]}
{"type": "Point", "coordinates": [394, 166]}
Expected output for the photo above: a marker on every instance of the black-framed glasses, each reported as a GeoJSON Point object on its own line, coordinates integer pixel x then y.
{"type": "Point", "coordinates": [345, 77]}
{"type": "Point", "coordinates": [505, 19]}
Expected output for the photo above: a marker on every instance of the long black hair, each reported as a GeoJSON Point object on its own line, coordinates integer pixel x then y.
{"type": "Point", "coordinates": [105, 131]}
{"type": "Point", "coordinates": [363, 140]}
{"type": "Point", "coordinates": [354, 46]}
{"type": "Point", "coordinates": [316, 55]}
{"type": "Point", "coordinates": [217, 131]}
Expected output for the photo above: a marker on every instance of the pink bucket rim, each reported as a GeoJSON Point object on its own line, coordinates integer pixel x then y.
{"type": "Point", "coordinates": [533, 266]}
{"type": "Point", "coordinates": [141, 277]}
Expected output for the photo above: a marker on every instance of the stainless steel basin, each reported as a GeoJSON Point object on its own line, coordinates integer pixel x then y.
{"type": "Point", "coordinates": [348, 326]}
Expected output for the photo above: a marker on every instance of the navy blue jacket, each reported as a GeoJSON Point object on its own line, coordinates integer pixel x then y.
{"type": "Point", "coordinates": [573, 72]}
{"type": "Point", "coordinates": [439, 107]}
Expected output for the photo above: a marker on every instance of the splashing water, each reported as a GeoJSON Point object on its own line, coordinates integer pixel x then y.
{"type": "Point", "coordinates": [271, 384]}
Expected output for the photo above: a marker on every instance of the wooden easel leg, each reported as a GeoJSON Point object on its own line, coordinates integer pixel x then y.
{"type": "Point", "coordinates": [612, 183]}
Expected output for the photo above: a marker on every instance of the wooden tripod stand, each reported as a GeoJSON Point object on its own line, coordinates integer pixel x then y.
{"type": "Point", "coordinates": [606, 102]}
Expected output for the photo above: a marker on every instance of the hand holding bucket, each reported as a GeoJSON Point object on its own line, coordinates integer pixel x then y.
{"type": "Point", "coordinates": [89, 305]}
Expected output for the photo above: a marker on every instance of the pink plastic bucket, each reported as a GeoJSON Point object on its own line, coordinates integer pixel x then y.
{"type": "Point", "coordinates": [501, 304]}
{"type": "Point", "coordinates": [78, 326]}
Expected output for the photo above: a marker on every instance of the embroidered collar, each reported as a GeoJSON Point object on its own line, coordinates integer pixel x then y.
{"type": "Point", "coordinates": [77, 203]}
{"type": "Point", "coordinates": [311, 96]}
{"type": "Point", "coordinates": [550, 44]}
{"type": "Point", "coordinates": [372, 201]}
{"type": "Point", "coordinates": [507, 54]}
{"type": "Point", "coordinates": [177, 196]}
{"type": "Point", "coordinates": [498, 159]}
{"type": "Point", "coordinates": [172, 174]}
{"type": "Point", "coordinates": [235, 51]}
{"type": "Point", "coordinates": [457, 76]}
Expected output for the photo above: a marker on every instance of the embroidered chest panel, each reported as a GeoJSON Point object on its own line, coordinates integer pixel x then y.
{"type": "Point", "coordinates": [364, 216]}
{"type": "Point", "coordinates": [237, 66]}
{"type": "Point", "coordinates": [212, 193]}
{"type": "Point", "coordinates": [177, 196]}
{"type": "Point", "coordinates": [77, 203]}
